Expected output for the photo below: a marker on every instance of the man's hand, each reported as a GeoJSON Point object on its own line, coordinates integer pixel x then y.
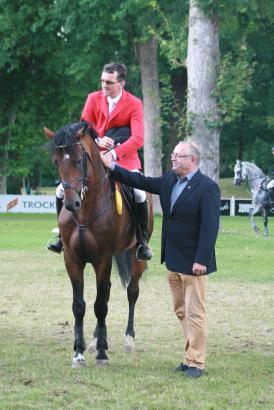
{"type": "Point", "coordinates": [106, 159]}
{"type": "Point", "coordinates": [105, 142]}
{"type": "Point", "coordinates": [198, 269]}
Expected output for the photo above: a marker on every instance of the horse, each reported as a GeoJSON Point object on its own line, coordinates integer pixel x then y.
{"type": "Point", "coordinates": [261, 197]}
{"type": "Point", "coordinates": [93, 232]}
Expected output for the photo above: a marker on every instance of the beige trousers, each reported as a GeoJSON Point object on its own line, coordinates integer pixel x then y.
{"type": "Point", "coordinates": [188, 295]}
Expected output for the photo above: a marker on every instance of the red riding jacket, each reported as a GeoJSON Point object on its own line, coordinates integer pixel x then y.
{"type": "Point", "coordinates": [127, 112]}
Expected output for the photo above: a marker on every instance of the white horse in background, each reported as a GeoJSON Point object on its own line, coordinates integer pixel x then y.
{"type": "Point", "coordinates": [262, 196]}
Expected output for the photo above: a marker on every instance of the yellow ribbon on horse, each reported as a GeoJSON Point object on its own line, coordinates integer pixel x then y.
{"type": "Point", "coordinates": [118, 199]}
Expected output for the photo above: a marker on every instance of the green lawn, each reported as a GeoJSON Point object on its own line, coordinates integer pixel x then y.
{"type": "Point", "coordinates": [36, 335]}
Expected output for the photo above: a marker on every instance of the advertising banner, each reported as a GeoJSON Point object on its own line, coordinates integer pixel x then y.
{"type": "Point", "coordinates": [46, 204]}
{"type": "Point", "coordinates": [225, 206]}
{"type": "Point", "coordinates": [27, 203]}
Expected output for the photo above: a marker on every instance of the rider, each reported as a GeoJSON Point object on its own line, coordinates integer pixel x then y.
{"type": "Point", "coordinates": [270, 185]}
{"type": "Point", "coordinates": [111, 108]}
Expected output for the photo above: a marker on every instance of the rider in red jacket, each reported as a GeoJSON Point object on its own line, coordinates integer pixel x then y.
{"type": "Point", "coordinates": [110, 110]}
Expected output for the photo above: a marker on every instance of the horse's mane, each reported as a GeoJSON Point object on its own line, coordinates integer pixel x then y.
{"type": "Point", "coordinates": [67, 135]}
{"type": "Point", "coordinates": [253, 166]}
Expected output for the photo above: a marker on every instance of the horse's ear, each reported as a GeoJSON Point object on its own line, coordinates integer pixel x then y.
{"type": "Point", "coordinates": [48, 133]}
{"type": "Point", "coordinates": [80, 132]}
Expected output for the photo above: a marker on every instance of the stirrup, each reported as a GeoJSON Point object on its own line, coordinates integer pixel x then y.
{"type": "Point", "coordinates": [143, 252]}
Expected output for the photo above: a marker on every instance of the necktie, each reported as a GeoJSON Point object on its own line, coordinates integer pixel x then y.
{"type": "Point", "coordinates": [111, 106]}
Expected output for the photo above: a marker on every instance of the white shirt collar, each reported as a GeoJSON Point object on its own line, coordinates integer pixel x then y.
{"type": "Point", "coordinates": [114, 100]}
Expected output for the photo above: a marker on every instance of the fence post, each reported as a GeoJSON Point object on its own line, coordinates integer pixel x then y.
{"type": "Point", "coordinates": [232, 206]}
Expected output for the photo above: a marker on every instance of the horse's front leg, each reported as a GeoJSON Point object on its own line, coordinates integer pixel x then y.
{"type": "Point", "coordinates": [101, 308]}
{"type": "Point", "coordinates": [132, 296]}
{"type": "Point", "coordinates": [252, 212]}
{"type": "Point", "coordinates": [75, 271]}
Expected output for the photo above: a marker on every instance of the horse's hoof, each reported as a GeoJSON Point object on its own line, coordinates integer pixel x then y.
{"type": "Point", "coordinates": [129, 345]}
{"type": "Point", "coordinates": [78, 361]}
{"type": "Point", "coordinates": [92, 347]}
{"type": "Point", "coordinates": [101, 363]}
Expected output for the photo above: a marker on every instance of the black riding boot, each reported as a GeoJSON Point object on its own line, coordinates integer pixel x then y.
{"type": "Point", "coordinates": [143, 250]}
{"type": "Point", "coordinates": [57, 247]}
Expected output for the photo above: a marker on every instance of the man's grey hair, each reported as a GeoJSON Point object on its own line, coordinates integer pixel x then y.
{"type": "Point", "coordinates": [193, 149]}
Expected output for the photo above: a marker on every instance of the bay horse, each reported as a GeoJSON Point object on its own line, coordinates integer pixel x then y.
{"type": "Point", "coordinates": [262, 201]}
{"type": "Point", "coordinates": [93, 232]}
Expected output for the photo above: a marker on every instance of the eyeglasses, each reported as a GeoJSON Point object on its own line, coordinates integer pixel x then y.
{"type": "Point", "coordinates": [108, 83]}
{"type": "Point", "coordinates": [173, 155]}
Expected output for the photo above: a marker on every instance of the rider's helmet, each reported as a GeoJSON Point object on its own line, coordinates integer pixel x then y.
{"type": "Point", "coordinates": [272, 150]}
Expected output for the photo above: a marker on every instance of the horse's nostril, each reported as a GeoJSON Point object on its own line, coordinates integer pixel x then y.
{"type": "Point", "coordinates": [77, 205]}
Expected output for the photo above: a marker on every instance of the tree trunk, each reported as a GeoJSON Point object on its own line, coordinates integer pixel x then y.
{"type": "Point", "coordinates": [202, 106]}
{"type": "Point", "coordinates": [5, 140]}
{"type": "Point", "coordinates": [3, 178]}
{"type": "Point", "coordinates": [3, 185]}
{"type": "Point", "coordinates": [147, 53]}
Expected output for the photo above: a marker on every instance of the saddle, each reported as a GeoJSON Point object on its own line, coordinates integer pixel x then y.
{"type": "Point", "coordinates": [119, 134]}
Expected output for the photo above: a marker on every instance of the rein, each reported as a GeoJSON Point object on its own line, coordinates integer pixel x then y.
{"type": "Point", "coordinates": [84, 178]}
{"type": "Point", "coordinates": [85, 188]}
{"type": "Point", "coordinates": [251, 179]}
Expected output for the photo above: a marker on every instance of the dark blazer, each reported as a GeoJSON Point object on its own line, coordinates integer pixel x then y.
{"type": "Point", "coordinates": [189, 231]}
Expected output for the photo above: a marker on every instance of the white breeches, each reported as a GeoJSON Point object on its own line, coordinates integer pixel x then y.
{"type": "Point", "coordinates": [270, 184]}
{"type": "Point", "coordinates": [140, 196]}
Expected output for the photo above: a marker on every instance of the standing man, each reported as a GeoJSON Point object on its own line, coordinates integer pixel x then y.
{"type": "Point", "coordinates": [117, 115]}
{"type": "Point", "coordinates": [191, 209]}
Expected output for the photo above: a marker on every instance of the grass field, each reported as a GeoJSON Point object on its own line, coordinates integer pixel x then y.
{"type": "Point", "coordinates": [36, 335]}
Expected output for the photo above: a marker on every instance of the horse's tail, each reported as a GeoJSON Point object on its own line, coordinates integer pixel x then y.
{"type": "Point", "coordinates": [123, 263]}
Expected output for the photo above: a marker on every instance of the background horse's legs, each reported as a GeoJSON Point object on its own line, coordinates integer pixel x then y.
{"type": "Point", "coordinates": [101, 308]}
{"type": "Point", "coordinates": [132, 295]}
{"type": "Point", "coordinates": [78, 307]}
{"type": "Point", "coordinates": [265, 218]}
{"type": "Point", "coordinates": [252, 212]}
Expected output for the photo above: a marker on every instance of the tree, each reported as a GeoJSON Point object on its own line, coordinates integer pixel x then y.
{"type": "Point", "coordinates": [152, 117]}
{"type": "Point", "coordinates": [202, 105]}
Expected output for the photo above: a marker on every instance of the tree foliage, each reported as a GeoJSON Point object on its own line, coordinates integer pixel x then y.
{"type": "Point", "coordinates": [52, 51]}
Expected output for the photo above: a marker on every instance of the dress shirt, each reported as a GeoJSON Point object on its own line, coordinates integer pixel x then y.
{"type": "Point", "coordinates": [179, 186]}
{"type": "Point", "coordinates": [113, 101]}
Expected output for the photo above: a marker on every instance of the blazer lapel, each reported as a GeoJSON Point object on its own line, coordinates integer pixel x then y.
{"type": "Point", "coordinates": [173, 179]}
{"type": "Point", "coordinates": [104, 105]}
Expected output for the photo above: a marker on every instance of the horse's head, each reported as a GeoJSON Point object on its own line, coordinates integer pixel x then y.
{"type": "Point", "coordinates": [238, 173]}
{"type": "Point", "coordinates": [71, 156]}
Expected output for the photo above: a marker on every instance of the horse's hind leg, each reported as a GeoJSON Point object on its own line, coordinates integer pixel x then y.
{"type": "Point", "coordinates": [78, 307]}
{"type": "Point", "coordinates": [132, 295]}
{"type": "Point", "coordinates": [265, 218]}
